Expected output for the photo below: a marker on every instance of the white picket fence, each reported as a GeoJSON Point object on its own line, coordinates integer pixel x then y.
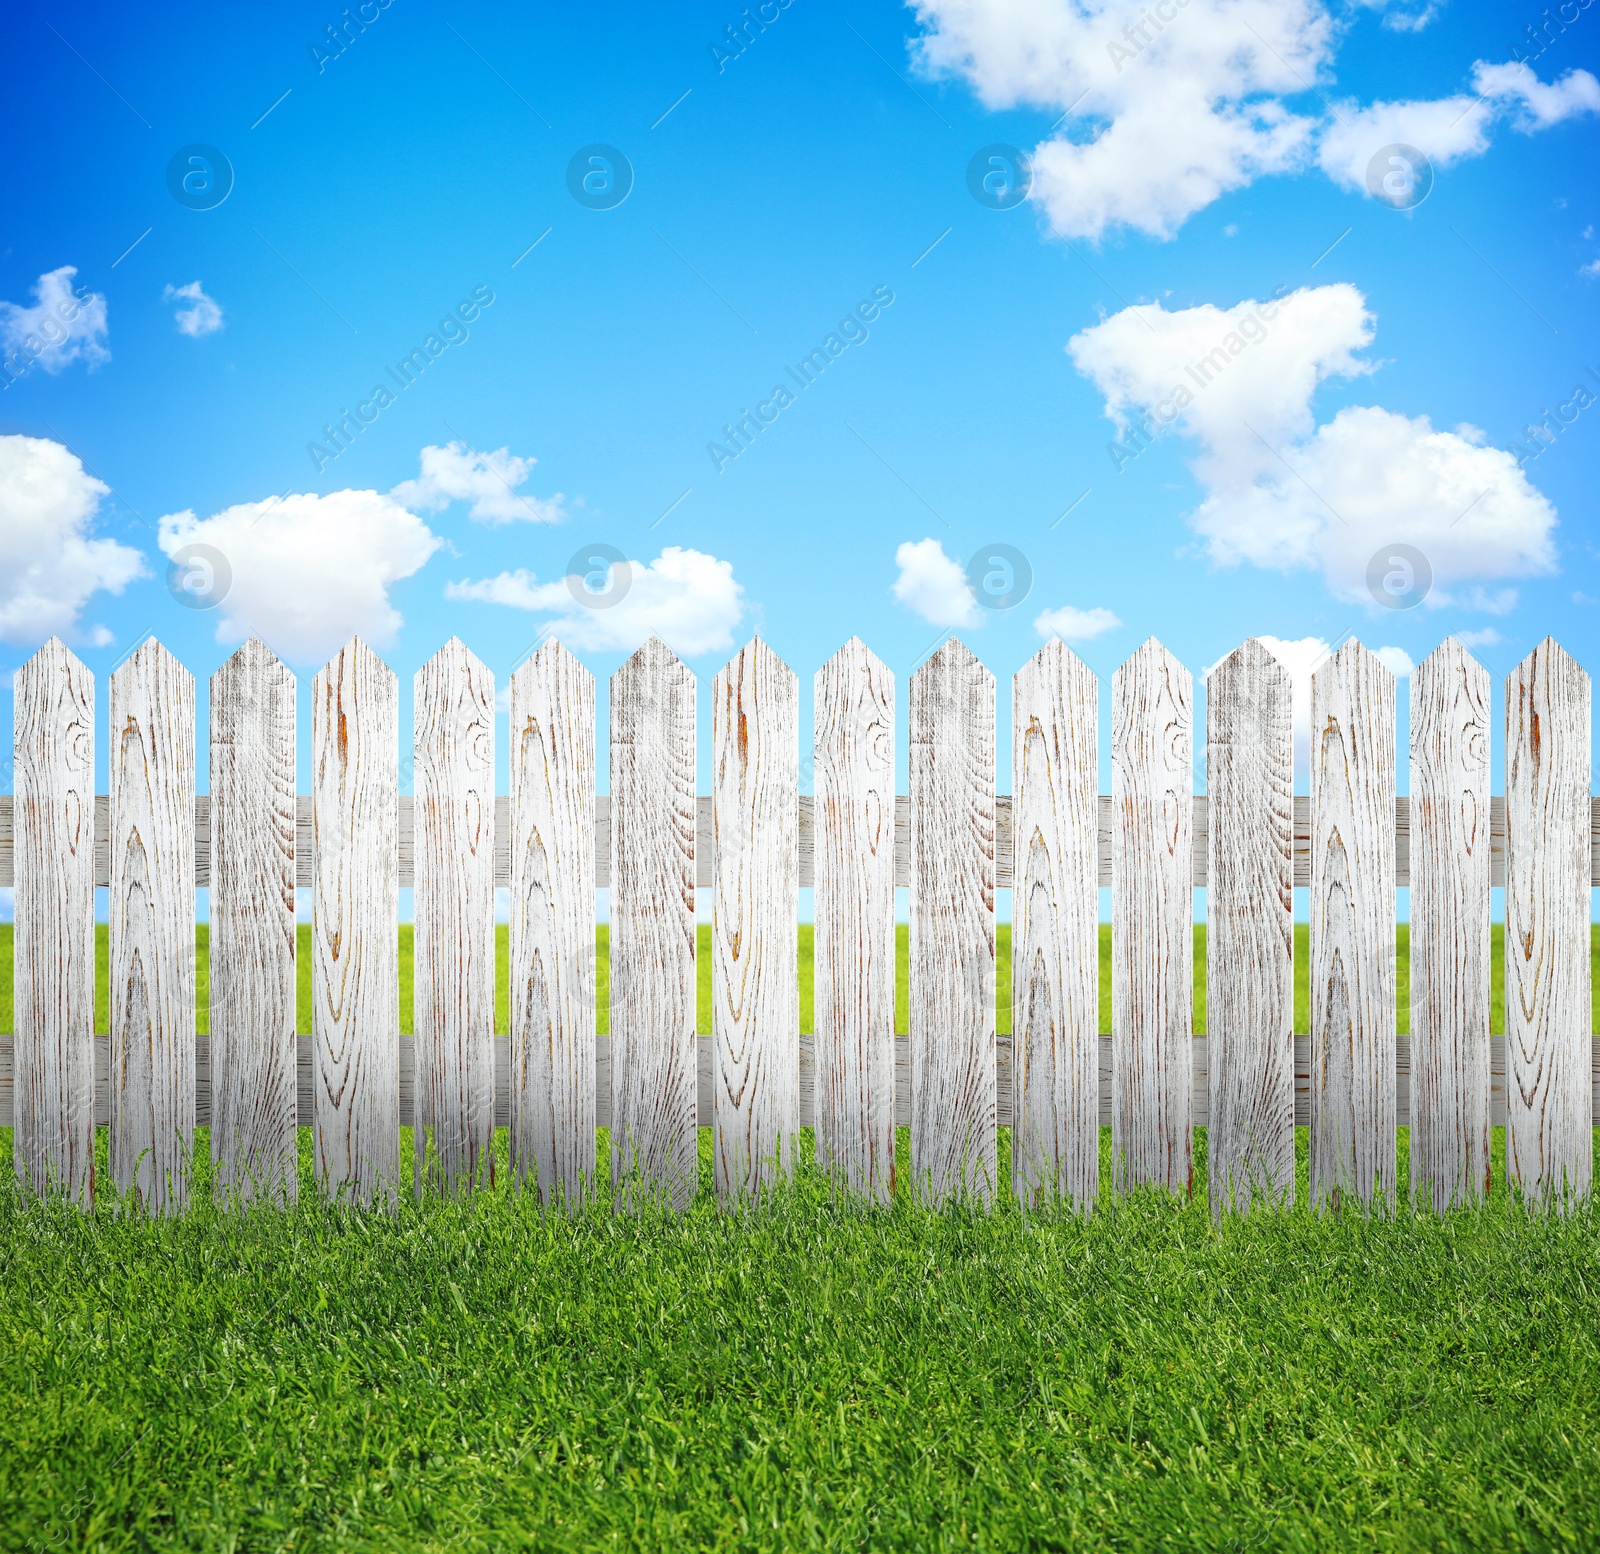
{"type": "Point", "coordinates": [355, 841]}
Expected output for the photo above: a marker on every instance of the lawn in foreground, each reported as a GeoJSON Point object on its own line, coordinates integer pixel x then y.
{"type": "Point", "coordinates": [804, 1374]}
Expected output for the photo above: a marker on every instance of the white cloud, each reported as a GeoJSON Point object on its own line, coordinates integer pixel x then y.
{"type": "Point", "coordinates": [50, 563]}
{"type": "Point", "coordinates": [1237, 379]}
{"type": "Point", "coordinates": [1169, 106]}
{"type": "Point", "coordinates": [1284, 493]}
{"type": "Point", "coordinates": [60, 328]}
{"type": "Point", "coordinates": [309, 572]}
{"type": "Point", "coordinates": [1591, 270]}
{"type": "Point", "coordinates": [202, 315]}
{"type": "Point", "coordinates": [933, 585]}
{"type": "Point", "coordinates": [1488, 637]}
{"type": "Point", "coordinates": [1448, 129]}
{"type": "Point", "coordinates": [687, 598]}
{"type": "Point", "coordinates": [1169, 111]}
{"type": "Point", "coordinates": [489, 481]}
{"type": "Point", "coordinates": [1074, 625]}
{"type": "Point", "coordinates": [1403, 15]}
{"type": "Point", "coordinates": [1534, 104]}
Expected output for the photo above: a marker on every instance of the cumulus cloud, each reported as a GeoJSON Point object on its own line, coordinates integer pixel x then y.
{"type": "Point", "coordinates": [50, 562]}
{"type": "Point", "coordinates": [1166, 107]}
{"type": "Point", "coordinates": [932, 585]}
{"type": "Point", "coordinates": [309, 572]}
{"type": "Point", "coordinates": [1074, 625]}
{"type": "Point", "coordinates": [1167, 111]}
{"type": "Point", "coordinates": [62, 327]}
{"type": "Point", "coordinates": [489, 481]}
{"type": "Point", "coordinates": [687, 598]}
{"type": "Point", "coordinates": [1449, 129]}
{"type": "Point", "coordinates": [199, 314]}
{"type": "Point", "coordinates": [1285, 493]}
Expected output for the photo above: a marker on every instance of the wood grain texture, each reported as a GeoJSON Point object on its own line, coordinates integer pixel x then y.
{"type": "Point", "coordinates": [1352, 929]}
{"type": "Point", "coordinates": [1250, 930]}
{"type": "Point", "coordinates": [454, 906]}
{"type": "Point", "coordinates": [755, 993]}
{"type": "Point", "coordinates": [253, 1121]}
{"type": "Point", "coordinates": [1449, 929]}
{"type": "Point", "coordinates": [1152, 934]}
{"type": "Point", "coordinates": [853, 938]}
{"type": "Point", "coordinates": [1549, 1102]}
{"type": "Point", "coordinates": [151, 913]}
{"type": "Point", "coordinates": [355, 972]}
{"type": "Point", "coordinates": [654, 1144]}
{"type": "Point", "coordinates": [53, 1057]}
{"type": "Point", "coordinates": [1055, 986]}
{"type": "Point", "coordinates": [951, 1005]}
{"type": "Point", "coordinates": [552, 940]}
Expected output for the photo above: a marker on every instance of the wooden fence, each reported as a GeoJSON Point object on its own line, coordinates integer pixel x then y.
{"type": "Point", "coordinates": [354, 841]}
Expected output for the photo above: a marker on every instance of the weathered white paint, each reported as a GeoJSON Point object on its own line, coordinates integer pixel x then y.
{"type": "Point", "coordinates": [1055, 981]}
{"type": "Point", "coordinates": [853, 939]}
{"type": "Point", "coordinates": [355, 973]}
{"type": "Point", "coordinates": [151, 911]}
{"type": "Point", "coordinates": [252, 1010]}
{"type": "Point", "coordinates": [951, 1006]}
{"type": "Point", "coordinates": [553, 1090]}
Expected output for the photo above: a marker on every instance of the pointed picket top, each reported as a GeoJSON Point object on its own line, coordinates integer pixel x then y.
{"type": "Point", "coordinates": [1055, 654]}
{"type": "Point", "coordinates": [1252, 653]}
{"type": "Point", "coordinates": [251, 656]}
{"type": "Point", "coordinates": [554, 656]}
{"type": "Point", "coordinates": [1449, 654]}
{"type": "Point", "coordinates": [151, 656]}
{"type": "Point", "coordinates": [360, 657]}
{"type": "Point", "coordinates": [1352, 653]}
{"type": "Point", "coordinates": [762, 660]}
{"type": "Point", "coordinates": [651, 653]}
{"type": "Point", "coordinates": [952, 653]}
{"type": "Point", "coordinates": [455, 657]}
{"type": "Point", "coordinates": [1151, 653]}
{"type": "Point", "coordinates": [1554, 659]}
{"type": "Point", "coordinates": [53, 654]}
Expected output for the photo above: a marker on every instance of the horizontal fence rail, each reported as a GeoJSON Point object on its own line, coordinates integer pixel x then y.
{"type": "Point", "coordinates": [1199, 1109]}
{"type": "Point", "coordinates": [806, 825]}
{"type": "Point", "coordinates": [755, 841]}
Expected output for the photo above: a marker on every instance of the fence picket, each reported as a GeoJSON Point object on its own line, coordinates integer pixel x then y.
{"type": "Point", "coordinates": [53, 947]}
{"type": "Point", "coordinates": [755, 997]}
{"type": "Point", "coordinates": [151, 910]}
{"type": "Point", "coordinates": [1352, 929]}
{"type": "Point", "coordinates": [552, 939]}
{"type": "Point", "coordinates": [454, 909]}
{"type": "Point", "coordinates": [253, 1116]}
{"type": "Point", "coordinates": [1055, 983]}
{"type": "Point", "coordinates": [1549, 1100]}
{"type": "Point", "coordinates": [653, 1053]}
{"type": "Point", "coordinates": [853, 937]}
{"type": "Point", "coordinates": [1449, 928]}
{"type": "Point", "coordinates": [355, 974]}
{"type": "Point", "coordinates": [1250, 930]}
{"type": "Point", "coordinates": [954, 1084]}
{"type": "Point", "coordinates": [1152, 934]}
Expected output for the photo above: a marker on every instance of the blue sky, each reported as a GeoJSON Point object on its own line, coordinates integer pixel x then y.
{"type": "Point", "coordinates": [581, 396]}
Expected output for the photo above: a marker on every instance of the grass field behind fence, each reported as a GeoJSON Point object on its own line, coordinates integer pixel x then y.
{"type": "Point", "coordinates": [803, 967]}
{"type": "Point", "coordinates": [476, 1375]}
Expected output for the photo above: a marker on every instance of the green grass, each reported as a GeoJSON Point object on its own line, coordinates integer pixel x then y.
{"type": "Point", "coordinates": [1302, 1002]}
{"type": "Point", "coordinates": [806, 1373]}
